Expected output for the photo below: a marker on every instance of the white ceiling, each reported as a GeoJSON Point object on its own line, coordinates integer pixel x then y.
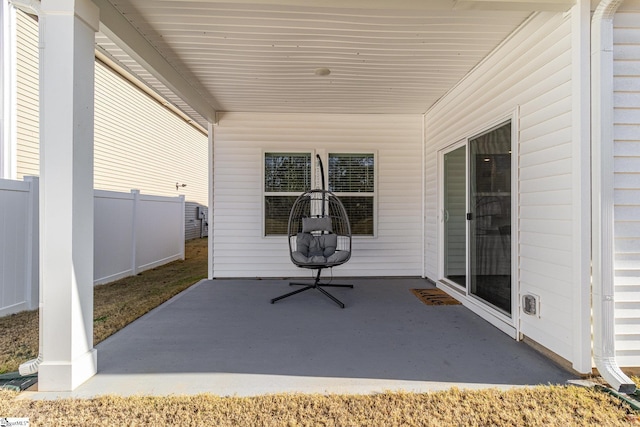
{"type": "Point", "coordinates": [385, 56]}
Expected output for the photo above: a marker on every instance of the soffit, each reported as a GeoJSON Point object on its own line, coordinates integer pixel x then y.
{"type": "Point", "coordinates": [390, 57]}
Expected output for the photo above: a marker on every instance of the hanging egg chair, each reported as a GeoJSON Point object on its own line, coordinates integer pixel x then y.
{"type": "Point", "coordinates": [319, 236]}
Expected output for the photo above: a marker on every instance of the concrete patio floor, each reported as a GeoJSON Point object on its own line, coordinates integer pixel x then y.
{"type": "Point", "coordinates": [224, 337]}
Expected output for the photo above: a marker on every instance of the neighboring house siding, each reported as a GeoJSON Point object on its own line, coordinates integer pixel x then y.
{"type": "Point", "coordinates": [627, 183]}
{"type": "Point", "coordinates": [27, 110]}
{"type": "Point", "coordinates": [240, 139]}
{"type": "Point", "coordinates": [138, 143]}
{"type": "Point", "coordinates": [530, 75]}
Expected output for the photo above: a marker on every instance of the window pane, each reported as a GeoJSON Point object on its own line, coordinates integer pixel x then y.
{"type": "Point", "coordinates": [351, 173]}
{"type": "Point", "coordinates": [276, 213]}
{"type": "Point", "coordinates": [287, 172]}
{"type": "Point", "coordinates": [360, 212]}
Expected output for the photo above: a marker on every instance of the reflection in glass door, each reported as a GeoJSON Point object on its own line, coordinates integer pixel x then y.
{"type": "Point", "coordinates": [454, 211]}
{"type": "Point", "coordinates": [490, 217]}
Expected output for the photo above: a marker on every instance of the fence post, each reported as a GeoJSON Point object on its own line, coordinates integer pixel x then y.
{"type": "Point", "coordinates": [182, 225]}
{"type": "Point", "coordinates": [32, 278]}
{"type": "Point", "coordinates": [134, 232]}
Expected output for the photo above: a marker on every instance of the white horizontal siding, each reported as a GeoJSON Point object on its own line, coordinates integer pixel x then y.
{"type": "Point", "coordinates": [627, 184]}
{"type": "Point", "coordinates": [531, 75]}
{"type": "Point", "coordinates": [138, 143]}
{"type": "Point", "coordinates": [240, 139]}
{"type": "Point", "coordinates": [27, 108]}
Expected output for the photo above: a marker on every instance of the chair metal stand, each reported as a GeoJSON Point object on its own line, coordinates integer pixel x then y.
{"type": "Point", "coordinates": [316, 285]}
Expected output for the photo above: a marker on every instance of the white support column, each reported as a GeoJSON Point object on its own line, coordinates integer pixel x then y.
{"type": "Point", "coordinates": [581, 224]}
{"type": "Point", "coordinates": [67, 34]}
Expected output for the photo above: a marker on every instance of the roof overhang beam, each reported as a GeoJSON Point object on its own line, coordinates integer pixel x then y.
{"type": "Point", "coordinates": [122, 33]}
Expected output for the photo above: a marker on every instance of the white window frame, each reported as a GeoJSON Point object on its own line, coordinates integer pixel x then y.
{"type": "Point", "coordinates": [266, 194]}
{"type": "Point", "coordinates": [373, 194]}
{"type": "Point", "coordinates": [315, 183]}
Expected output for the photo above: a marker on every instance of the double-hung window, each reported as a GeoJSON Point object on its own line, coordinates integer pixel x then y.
{"type": "Point", "coordinates": [352, 179]}
{"type": "Point", "coordinates": [351, 176]}
{"type": "Point", "coordinates": [286, 176]}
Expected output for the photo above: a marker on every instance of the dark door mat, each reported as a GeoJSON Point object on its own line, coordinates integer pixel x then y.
{"type": "Point", "coordinates": [434, 297]}
{"type": "Point", "coordinates": [16, 382]}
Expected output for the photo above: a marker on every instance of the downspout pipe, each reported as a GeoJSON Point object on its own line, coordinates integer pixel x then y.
{"type": "Point", "coordinates": [602, 228]}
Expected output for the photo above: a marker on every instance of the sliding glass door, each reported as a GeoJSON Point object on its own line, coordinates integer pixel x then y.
{"type": "Point", "coordinates": [476, 217]}
{"type": "Point", "coordinates": [490, 217]}
{"type": "Point", "coordinates": [453, 215]}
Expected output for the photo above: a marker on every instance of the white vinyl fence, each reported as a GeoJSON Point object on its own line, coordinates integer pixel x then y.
{"type": "Point", "coordinates": [132, 233]}
{"type": "Point", "coordinates": [18, 245]}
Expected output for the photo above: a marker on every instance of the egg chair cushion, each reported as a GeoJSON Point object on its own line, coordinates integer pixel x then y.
{"type": "Point", "coordinates": [320, 249]}
{"type": "Point", "coordinates": [316, 224]}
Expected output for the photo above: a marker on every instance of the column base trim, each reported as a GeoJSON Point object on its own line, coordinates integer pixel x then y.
{"type": "Point", "coordinates": [66, 376]}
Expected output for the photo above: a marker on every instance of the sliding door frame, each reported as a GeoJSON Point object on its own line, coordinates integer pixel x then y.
{"type": "Point", "coordinates": [443, 216]}
{"type": "Point", "coordinates": [507, 324]}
